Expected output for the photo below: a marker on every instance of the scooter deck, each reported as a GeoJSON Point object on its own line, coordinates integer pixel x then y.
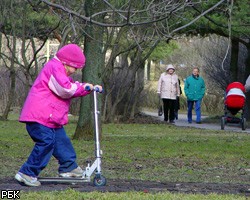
{"type": "Point", "coordinates": [63, 180]}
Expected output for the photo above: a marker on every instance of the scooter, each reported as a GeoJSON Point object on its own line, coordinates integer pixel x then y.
{"type": "Point", "coordinates": [99, 179]}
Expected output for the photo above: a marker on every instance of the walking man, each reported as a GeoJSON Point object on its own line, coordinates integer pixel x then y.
{"type": "Point", "coordinates": [194, 90]}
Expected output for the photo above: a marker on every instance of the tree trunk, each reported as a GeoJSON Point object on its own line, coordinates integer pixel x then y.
{"type": "Point", "coordinates": [247, 70]}
{"type": "Point", "coordinates": [148, 70]}
{"type": "Point", "coordinates": [247, 73]}
{"type": "Point", "coordinates": [137, 91]}
{"type": "Point", "coordinates": [91, 74]}
{"type": "Point", "coordinates": [234, 59]}
{"type": "Point", "coordinates": [11, 94]}
{"type": "Point", "coordinates": [126, 81]}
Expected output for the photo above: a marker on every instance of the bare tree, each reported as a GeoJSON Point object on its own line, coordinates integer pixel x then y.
{"type": "Point", "coordinates": [123, 19]}
{"type": "Point", "coordinates": [23, 40]}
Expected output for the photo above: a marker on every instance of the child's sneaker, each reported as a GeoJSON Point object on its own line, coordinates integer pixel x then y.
{"type": "Point", "coordinates": [77, 172]}
{"type": "Point", "coordinates": [27, 180]}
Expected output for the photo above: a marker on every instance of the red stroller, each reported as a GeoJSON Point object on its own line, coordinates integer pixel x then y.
{"type": "Point", "coordinates": [233, 103]}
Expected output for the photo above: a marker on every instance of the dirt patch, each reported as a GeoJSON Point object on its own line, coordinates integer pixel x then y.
{"type": "Point", "coordinates": [141, 118]}
{"type": "Point", "coordinates": [134, 185]}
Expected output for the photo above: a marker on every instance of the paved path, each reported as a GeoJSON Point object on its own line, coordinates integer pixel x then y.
{"type": "Point", "coordinates": [182, 121]}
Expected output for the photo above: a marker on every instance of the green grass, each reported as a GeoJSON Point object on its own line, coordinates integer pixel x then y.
{"type": "Point", "coordinates": [142, 151]}
{"type": "Point", "coordinates": [177, 154]}
{"type": "Point", "coordinates": [72, 194]}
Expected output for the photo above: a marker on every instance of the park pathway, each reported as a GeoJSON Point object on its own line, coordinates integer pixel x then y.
{"type": "Point", "coordinates": [182, 121]}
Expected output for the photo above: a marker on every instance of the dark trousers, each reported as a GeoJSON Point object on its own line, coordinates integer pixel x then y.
{"type": "Point", "coordinates": [168, 108]}
{"type": "Point", "coordinates": [177, 107]}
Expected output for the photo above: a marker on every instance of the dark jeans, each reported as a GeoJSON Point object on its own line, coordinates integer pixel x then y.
{"type": "Point", "coordinates": [168, 107]}
{"type": "Point", "coordinates": [177, 107]}
{"type": "Point", "coordinates": [48, 142]}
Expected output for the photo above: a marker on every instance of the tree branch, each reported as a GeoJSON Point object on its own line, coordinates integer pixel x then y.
{"type": "Point", "coordinates": [163, 15]}
{"type": "Point", "coordinates": [198, 17]}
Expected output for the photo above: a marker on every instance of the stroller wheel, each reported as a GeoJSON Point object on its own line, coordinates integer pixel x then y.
{"type": "Point", "coordinates": [223, 119]}
{"type": "Point", "coordinates": [243, 123]}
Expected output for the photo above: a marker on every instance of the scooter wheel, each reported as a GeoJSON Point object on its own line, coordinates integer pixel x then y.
{"type": "Point", "coordinates": [99, 180]}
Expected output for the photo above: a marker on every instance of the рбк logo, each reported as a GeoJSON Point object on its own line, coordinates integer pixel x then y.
{"type": "Point", "coordinates": [10, 194]}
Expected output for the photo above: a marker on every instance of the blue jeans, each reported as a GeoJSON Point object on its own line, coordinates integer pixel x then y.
{"type": "Point", "coordinates": [197, 110]}
{"type": "Point", "coordinates": [48, 142]}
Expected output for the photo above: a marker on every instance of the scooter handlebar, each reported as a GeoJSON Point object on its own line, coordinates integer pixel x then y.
{"type": "Point", "coordinates": [87, 88]}
{"type": "Point", "coordinates": [95, 88]}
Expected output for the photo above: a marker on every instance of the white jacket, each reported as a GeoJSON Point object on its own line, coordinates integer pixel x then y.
{"type": "Point", "coordinates": [168, 86]}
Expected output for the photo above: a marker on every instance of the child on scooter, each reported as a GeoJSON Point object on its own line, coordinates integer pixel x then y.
{"type": "Point", "coordinates": [45, 112]}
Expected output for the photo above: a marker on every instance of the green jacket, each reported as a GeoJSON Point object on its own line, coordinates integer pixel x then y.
{"type": "Point", "coordinates": [194, 88]}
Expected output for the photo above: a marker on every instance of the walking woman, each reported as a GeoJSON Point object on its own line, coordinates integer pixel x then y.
{"type": "Point", "coordinates": [169, 89]}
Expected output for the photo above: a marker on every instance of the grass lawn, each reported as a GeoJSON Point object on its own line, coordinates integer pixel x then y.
{"type": "Point", "coordinates": [153, 152]}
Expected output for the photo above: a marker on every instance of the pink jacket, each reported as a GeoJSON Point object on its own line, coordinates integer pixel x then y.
{"type": "Point", "coordinates": [49, 98]}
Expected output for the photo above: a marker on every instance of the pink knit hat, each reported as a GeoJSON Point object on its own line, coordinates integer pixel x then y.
{"type": "Point", "coordinates": [71, 55]}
